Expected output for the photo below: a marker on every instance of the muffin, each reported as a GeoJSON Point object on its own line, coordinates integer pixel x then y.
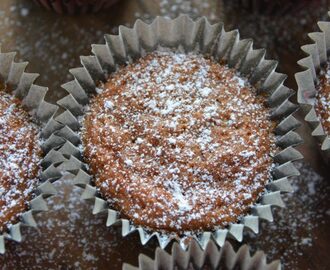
{"type": "Point", "coordinates": [210, 258]}
{"type": "Point", "coordinates": [20, 156]}
{"type": "Point", "coordinates": [179, 142]}
{"type": "Point", "coordinates": [75, 6]}
{"type": "Point", "coordinates": [23, 113]}
{"type": "Point", "coordinates": [313, 88]}
{"type": "Point", "coordinates": [322, 99]}
{"type": "Point", "coordinates": [186, 132]}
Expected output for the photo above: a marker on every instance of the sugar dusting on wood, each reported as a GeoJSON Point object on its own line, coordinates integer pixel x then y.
{"type": "Point", "coordinates": [296, 228]}
{"type": "Point", "coordinates": [69, 234]}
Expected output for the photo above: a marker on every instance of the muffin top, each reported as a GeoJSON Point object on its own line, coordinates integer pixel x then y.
{"type": "Point", "coordinates": [19, 160]}
{"type": "Point", "coordinates": [322, 103]}
{"type": "Point", "coordinates": [178, 142]}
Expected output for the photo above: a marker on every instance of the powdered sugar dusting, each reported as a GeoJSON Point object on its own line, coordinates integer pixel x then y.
{"type": "Point", "coordinates": [186, 145]}
{"type": "Point", "coordinates": [295, 231]}
{"type": "Point", "coordinates": [322, 101]}
{"type": "Point", "coordinates": [19, 160]}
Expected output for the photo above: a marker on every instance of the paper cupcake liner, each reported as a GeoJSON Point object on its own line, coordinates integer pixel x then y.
{"type": "Point", "coordinates": [21, 84]}
{"type": "Point", "coordinates": [195, 258]}
{"type": "Point", "coordinates": [75, 6]}
{"type": "Point", "coordinates": [318, 54]}
{"type": "Point", "coordinates": [186, 35]}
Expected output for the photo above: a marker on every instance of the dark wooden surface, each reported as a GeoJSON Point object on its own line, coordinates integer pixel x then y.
{"type": "Point", "coordinates": [69, 236]}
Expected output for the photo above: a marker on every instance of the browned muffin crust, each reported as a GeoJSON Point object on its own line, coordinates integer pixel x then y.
{"type": "Point", "coordinates": [178, 142]}
{"type": "Point", "coordinates": [19, 160]}
{"type": "Point", "coordinates": [322, 103]}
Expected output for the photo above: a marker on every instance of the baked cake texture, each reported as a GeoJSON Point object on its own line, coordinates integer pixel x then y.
{"type": "Point", "coordinates": [322, 101]}
{"type": "Point", "coordinates": [19, 160]}
{"type": "Point", "coordinates": [177, 142]}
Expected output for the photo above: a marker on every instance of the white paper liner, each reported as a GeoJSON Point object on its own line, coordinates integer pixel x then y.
{"type": "Point", "coordinates": [21, 83]}
{"type": "Point", "coordinates": [195, 258]}
{"type": "Point", "coordinates": [318, 54]}
{"type": "Point", "coordinates": [185, 35]}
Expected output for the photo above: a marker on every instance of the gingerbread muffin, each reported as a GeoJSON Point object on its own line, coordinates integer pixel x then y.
{"type": "Point", "coordinates": [19, 160]}
{"type": "Point", "coordinates": [322, 101]}
{"type": "Point", "coordinates": [178, 142]}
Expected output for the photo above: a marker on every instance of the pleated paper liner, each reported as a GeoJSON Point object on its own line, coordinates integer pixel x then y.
{"type": "Point", "coordinates": [21, 83]}
{"type": "Point", "coordinates": [185, 35]}
{"type": "Point", "coordinates": [196, 258]}
{"type": "Point", "coordinates": [75, 6]}
{"type": "Point", "coordinates": [318, 54]}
